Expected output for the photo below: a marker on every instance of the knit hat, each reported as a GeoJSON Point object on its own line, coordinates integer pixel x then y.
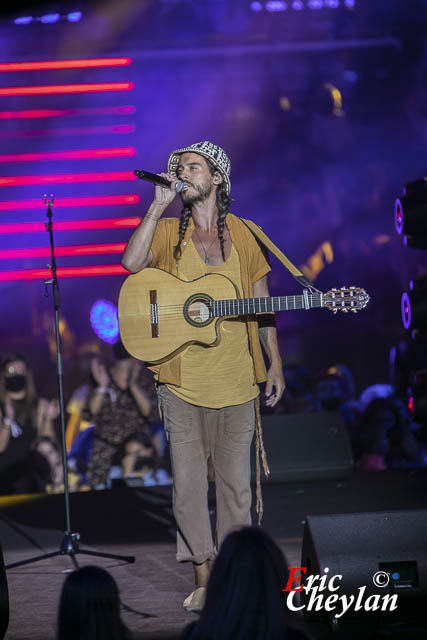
{"type": "Point", "coordinates": [208, 150]}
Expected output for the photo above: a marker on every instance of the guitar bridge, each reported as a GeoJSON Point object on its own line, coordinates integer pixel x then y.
{"type": "Point", "coordinates": [154, 314]}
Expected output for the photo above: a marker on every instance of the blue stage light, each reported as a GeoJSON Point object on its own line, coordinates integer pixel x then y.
{"type": "Point", "coordinates": [276, 5]}
{"type": "Point", "coordinates": [332, 4]}
{"type": "Point", "coordinates": [50, 18]}
{"type": "Point", "coordinates": [104, 321]}
{"type": "Point", "coordinates": [23, 20]}
{"type": "Point", "coordinates": [297, 5]}
{"type": "Point", "coordinates": [315, 4]}
{"type": "Point", "coordinates": [75, 16]}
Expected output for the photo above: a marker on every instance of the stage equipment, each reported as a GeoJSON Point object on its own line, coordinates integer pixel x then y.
{"type": "Point", "coordinates": [418, 396]}
{"type": "Point", "coordinates": [4, 598]}
{"type": "Point", "coordinates": [384, 551]}
{"type": "Point", "coordinates": [70, 543]}
{"type": "Point", "coordinates": [410, 214]}
{"type": "Point", "coordinates": [305, 446]}
{"type": "Point", "coordinates": [155, 179]}
{"type": "Point", "coordinates": [414, 305]}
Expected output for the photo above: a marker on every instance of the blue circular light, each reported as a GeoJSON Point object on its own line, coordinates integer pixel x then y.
{"type": "Point", "coordinates": [75, 16]}
{"type": "Point", "coordinates": [104, 320]}
{"type": "Point", "coordinates": [395, 575]}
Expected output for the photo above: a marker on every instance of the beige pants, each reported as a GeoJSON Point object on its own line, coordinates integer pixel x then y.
{"type": "Point", "coordinates": [196, 434]}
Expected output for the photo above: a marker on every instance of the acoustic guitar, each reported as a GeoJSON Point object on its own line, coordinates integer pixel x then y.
{"type": "Point", "coordinates": [160, 314]}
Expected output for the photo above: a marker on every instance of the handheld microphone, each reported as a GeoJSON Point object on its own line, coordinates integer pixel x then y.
{"type": "Point", "coordinates": [155, 179]}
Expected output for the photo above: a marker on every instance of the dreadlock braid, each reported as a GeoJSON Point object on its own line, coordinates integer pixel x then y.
{"type": "Point", "coordinates": [222, 204]}
{"type": "Point", "coordinates": [183, 224]}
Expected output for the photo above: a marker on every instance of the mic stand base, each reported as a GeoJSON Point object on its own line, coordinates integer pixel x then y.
{"type": "Point", "coordinates": [70, 547]}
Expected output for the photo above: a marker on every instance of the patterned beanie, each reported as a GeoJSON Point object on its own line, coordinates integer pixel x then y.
{"type": "Point", "coordinates": [208, 150]}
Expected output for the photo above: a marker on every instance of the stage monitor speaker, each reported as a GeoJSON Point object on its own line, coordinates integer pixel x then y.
{"type": "Point", "coordinates": [384, 551]}
{"type": "Point", "coordinates": [4, 599]}
{"type": "Point", "coordinates": [305, 446]}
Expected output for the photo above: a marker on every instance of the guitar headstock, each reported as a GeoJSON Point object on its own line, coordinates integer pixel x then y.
{"type": "Point", "coordinates": [345, 299]}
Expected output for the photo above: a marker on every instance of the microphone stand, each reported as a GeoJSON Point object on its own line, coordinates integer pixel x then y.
{"type": "Point", "coordinates": [70, 542]}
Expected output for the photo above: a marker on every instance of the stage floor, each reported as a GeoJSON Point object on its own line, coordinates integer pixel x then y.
{"type": "Point", "coordinates": [139, 522]}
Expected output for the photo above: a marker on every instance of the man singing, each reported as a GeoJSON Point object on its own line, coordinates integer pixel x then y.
{"type": "Point", "coordinates": [207, 395]}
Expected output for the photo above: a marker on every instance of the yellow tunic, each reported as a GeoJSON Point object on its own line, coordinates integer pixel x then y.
{"type": "Point", "coordinates": [253, 266]}
{"type": "Point", "coordinates": [223, 375]}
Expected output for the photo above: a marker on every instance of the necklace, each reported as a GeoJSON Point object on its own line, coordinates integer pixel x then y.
{"type": "Point", "coordinates": [203, 247]}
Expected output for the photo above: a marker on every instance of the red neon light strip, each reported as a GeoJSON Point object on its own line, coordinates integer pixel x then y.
{"type": "Point", "coordinates": [65, 64]}
{"type": "Point", "coordinates": [68, 178]}
{"type": "Point", "coordinates": [71, 225]}
{"type": "Point", "coordinates": [60, 203]}
{"type": "Point", "coordinates": [76, 250]}
{"type": "Point", "coordinates": [66, 88]}
{"type": "Point", "coordinates": [72, 131]}
{"type": "Point", "coordinates": [64, 272]}
{"type": "Point", "coordinates": [56, 113]}
{"type": "Point", "coordinates": [77, 154]}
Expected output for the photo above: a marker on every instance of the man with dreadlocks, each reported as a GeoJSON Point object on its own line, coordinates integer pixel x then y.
{"type": "Point", "coordinates": [208, 395]}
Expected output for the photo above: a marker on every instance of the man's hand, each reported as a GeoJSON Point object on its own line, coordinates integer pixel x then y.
{"type": "Point", "coordinates": [275, 384]}
{"type": "Point", "coordinates": [165, 195]}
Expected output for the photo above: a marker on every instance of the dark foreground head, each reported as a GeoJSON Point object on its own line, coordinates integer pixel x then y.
{"type": "Point", "coordinates": [90, 607]}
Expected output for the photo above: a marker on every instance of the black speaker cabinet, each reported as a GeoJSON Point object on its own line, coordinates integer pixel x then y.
{"type": "Point", "coordinates": [4, 599]}
{"type": "Point", "coordinates": [385, 551]}
{"type": "Point", "coordinates": [305, 446]}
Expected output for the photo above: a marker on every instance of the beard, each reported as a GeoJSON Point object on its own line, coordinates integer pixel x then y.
{"type": "Point", "coordinates": [202, 193]}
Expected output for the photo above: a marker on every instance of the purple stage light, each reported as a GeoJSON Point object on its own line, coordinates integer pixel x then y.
{"type": "Point", "coordinates": [297, 5]}
{"type": "Point", "coordinates": [398, 216]}
{"type": "Point", "coordinates": [256, 6]}
{"type": "Point", "coordinates": [350, 3]}
{"type": "Point", "coordinates": [406, 310]}
{"type": "Point", "coordinates": [315, 4]}
{"type": "Point", "coordinates": [104, 321]}
{"type": "Point", "coordinates": [332, 4]}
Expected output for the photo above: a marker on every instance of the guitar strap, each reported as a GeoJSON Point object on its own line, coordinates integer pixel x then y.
{"type": "Point", "coordinates": [265, 240]}
{"type": "Point", "coordinates": [259, 440]}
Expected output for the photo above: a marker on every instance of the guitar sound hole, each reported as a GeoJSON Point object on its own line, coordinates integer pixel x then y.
{"type": "Point", "coordinates": [198, 311]}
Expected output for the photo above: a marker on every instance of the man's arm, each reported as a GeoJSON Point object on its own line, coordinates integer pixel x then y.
{"type": "Point", "coordinates": [138, 254]}
{"type": "Point", "coordinates": [268, 338]}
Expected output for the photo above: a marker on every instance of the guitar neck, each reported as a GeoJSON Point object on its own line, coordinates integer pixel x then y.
{"type": "Point", "coordinates": [249, 306]}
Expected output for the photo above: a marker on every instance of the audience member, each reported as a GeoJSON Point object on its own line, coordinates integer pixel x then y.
{"type": "Point", "coordinates": [139, 459]}
{"type": "Point", "coordinates": [244, 597]}
{"type": "Point", "coordinates": [332, 393]}
{"type": "Point", "coordinates": [386, 437]}
{"type": "Point", "coordinates": [48, 468]}
{"type": "Point", "coordinates": [79, 456]}
{"type": "Point", "coordinates": [118, 407]}
{"type": "Point", "coordinates": [23, 420]}
{"type": "Point", "coordinates": [89, 607]}
{"type": "Point", "coordinates": [297, 396]}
